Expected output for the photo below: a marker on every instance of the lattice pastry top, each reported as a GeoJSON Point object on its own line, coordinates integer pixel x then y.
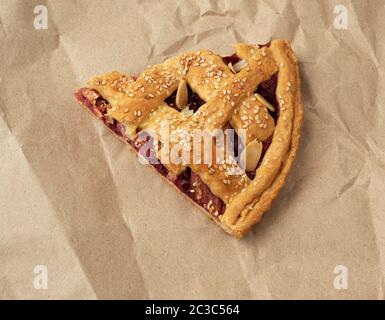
{"type": "Point", "coordinates": [255, 92]}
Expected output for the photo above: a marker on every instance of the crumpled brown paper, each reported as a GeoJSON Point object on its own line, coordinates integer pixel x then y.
{"type": "Point", "coordinates": [73, 198]}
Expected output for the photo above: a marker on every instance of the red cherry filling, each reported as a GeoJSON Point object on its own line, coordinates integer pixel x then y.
{"type": "Point", "coordinates": [194, 101]}
{"type": "Point", "coordinates": [267, 90]}
{"type": "Point", "coordinates": [188, 182]}
{"type": "Point", "coordinates": [233, 59]}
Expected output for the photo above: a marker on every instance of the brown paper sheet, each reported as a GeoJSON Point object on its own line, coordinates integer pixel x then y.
{"type": "Point", "coordinates": [74, 199]}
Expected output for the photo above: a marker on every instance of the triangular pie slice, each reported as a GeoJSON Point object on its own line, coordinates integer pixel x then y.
{"type": "Point", "coordinates": [249, 103]}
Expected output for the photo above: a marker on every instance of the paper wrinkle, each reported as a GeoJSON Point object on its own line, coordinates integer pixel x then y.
{"type": "Point", "coordinates": [378, 218]}
{"type": "Point", "coordinates": [337, 122]}
{"type": "Point", "coordinates": [49, 200]}
{"type": "Point", "coordinates": [364, 40]}
{"type": "Point", "coordinates": [349, 184]}
{"type": "Point", "coordinates": [290, 10]}
{"type": "Point", "coordinates": [211, 12]}
{"type": "Point", "coordinates": [2, 28]}
{"type": "Point", "coordinates": [27, 238]}
{"type": "Point", "coordinates": [135, 251]}
{"type": "Point", "coordinates": [337, 177]}
{"type": "Point", "coordinates": [379, 245]}
{"type": "Point", "coordinates": [103, 134]}
{"type": "Point", "coordinates": [48, 190]}
{"type": "Point", "coordinates": [258, 287]}
{"type": "Point", "coordinates": [3, 117]}
{"type": "Point", "coordinates": [108, 158]}
{"type": "Point", "coordinates": [366, 43]}
{"type": "Point", "coordinates": [376, 153]}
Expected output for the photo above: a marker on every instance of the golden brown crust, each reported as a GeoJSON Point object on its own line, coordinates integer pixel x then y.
{"type": "Point", "coordinates": [253, 116]}
{"type": "Point", "coordinates": [259, 197]}
{"type": "Point", "coordinates": [229, 98]}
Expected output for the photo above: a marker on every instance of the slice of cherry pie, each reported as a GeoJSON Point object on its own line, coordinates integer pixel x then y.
{"type": "Point", "coordinates": [223, 131]}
